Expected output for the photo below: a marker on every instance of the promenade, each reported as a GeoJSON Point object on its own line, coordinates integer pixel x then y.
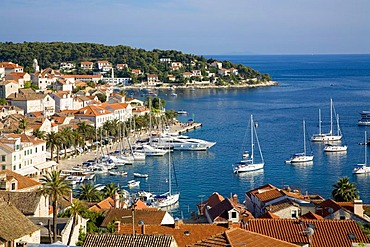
{"type": "Point", "coordinates": [68, 163]}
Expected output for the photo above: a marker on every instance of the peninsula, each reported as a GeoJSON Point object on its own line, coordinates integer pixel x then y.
{"type": "Point", "coordinates": [126, 66]}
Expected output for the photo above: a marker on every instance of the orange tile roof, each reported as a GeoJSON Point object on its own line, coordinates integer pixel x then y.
{"type": "Point", "coordinates": [86, 63]}
{"type": "Point", "coordinates": [241, 237]}
{"type": "Point", "coordinates": [92, 111]}
{"type": "Point", "coordinates": [114, 106]}
{"type": "Point", "coordinates": [323, 208]}
{"type": "Point", "coordinates": [184, 234]}
{"type": "Point", "coordinates": [311, 216]}
{"type": "Point", "coordinates": [269, 195]}
{"type": "Point", "coordinates": [23, 182]}
{"type": "Point", "coordinates": [327, 233]}
{"type": "Point", "coordinates": [104, 205]}
{"type": "Point", "coordinates": [150, 217]}
{"type": "Point", "coordinates": [261, 189]}
{"type": "Point", "coordinates": [269, 215]}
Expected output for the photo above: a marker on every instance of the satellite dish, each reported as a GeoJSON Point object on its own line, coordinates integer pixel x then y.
{"type": "Point", "coordinates": [309, 231]}
{"type": "Point", "coordinates": [330, 210]}
{"type": "Point", "coordinates": [140, 222]}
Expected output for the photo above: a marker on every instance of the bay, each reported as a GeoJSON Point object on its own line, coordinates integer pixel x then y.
{"type": "Point", "coordinates": [306, 83]}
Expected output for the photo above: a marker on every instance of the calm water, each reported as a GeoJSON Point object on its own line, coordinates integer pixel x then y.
{"type": "Point", "coordinates": [306, 84]}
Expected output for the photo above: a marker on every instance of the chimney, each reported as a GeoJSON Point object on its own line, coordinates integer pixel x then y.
{"type": "Point", "coordinates": [21, 244]}
{"type": "Point", "coordinates": [117, 226]}
{"type": "Point", "coordinates": [178, 222]}
{"type": "Point", "coordinates": [358, 208]}
{"type": "Point", "coordinates": [116, 200]}
{"type": "Point", "coordinates": [229, 224]}
{"type": "Point", "coordinates": [235, 199]}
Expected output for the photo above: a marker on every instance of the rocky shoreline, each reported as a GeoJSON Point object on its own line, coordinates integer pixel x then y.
{"type": "Point", "coordinates": [205, 86]}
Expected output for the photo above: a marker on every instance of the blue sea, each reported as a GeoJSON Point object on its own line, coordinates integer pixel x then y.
{"type": "Point", "coordinates": [306, 83]}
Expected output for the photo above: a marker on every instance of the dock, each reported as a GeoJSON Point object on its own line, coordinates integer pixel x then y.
{"type": "Point", "coordinates": [184, 127]}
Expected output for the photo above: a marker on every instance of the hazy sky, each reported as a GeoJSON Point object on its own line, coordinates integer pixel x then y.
{"type": "Point", "coordinates": [204, 27]}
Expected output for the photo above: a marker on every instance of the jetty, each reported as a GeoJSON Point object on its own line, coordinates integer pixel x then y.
{"type": "Point", "coordinates": [180, 128]}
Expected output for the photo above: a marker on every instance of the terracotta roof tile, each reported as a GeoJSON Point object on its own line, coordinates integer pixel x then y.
{"type": "Point", "coordinates": [121, 240]}
{"type": "Point", "coordinates": [327, 233]}
{"type": "Point", "coordinates": [269, 215]}
{"type": "Point", "coordinates": [184, 234]}
{"type": "Point", "coordinates": [150, 217]}
{"type": "Point", "coordinates": [275, 207]}
{"type": "Point", "coordinates": [269, 195]}
{"type": "Point", "coordinates": [23, 182]}
{"type": "Point", "coordinates": [311, 216]}
{"type": "Point", "coordinates": [323, 208]}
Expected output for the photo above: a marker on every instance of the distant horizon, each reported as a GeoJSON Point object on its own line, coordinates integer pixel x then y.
{"type": "Point", "coordinates": [266, 27]}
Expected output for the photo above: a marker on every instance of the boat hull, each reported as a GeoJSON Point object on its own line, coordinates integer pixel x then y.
{"type": "Point", "coordinates": [248, 167]}
{"type": "Point", "coordinates": [168, 201]}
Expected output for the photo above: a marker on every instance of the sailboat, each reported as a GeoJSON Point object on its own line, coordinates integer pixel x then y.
{"type": "Point", "coordinates": [362, 168]}
{"type": "Point", "coordinates": [301, 157]}
{"type": "Point", "coordinates": [168, 198]}
{"type": "Point", "coordinates": [248, 163]}
{"type": "Point", "coordinates": [322, 137]}
{"type": "Point", "coordinates": [335, 148]}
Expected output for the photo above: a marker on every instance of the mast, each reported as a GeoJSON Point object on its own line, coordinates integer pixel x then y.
{"type": "Point", "coordinates": [365, 149]}
{"type": "Point", "coordinates": [304, 137]}
{"type": "Point", "coordinates": [331, 116]}
{"type": "Point", "coordinates": [252, 142]}
{"type": "Point", "coordinates": [169, 173]}
{"type": "Point", "coordinates": [320, 122]}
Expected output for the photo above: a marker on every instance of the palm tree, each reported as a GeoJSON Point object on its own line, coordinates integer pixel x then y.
{"type": "Point", "coordinates": [77, 140]}
{"type": "Point", "coordinates": [39, 133]}
{"type": "Point", "coordinates": [67, 139]}
{"type": "Point", "coordinates": [90, 193]}
{"type": "Point", "coordinates": [56, 187]}
{"type": "Point", "coordinates": [87, 131]}
{"type": "Point", "coordinates": [110, 189]}
{"type": "Point", "coordinates": [76, 208]}
{"type": "Point", "coordinates": [344, 190]}
{"type": "Point", "coordinates": [51, 141]}
{"type": "Point", "coordinates": [23, 124]}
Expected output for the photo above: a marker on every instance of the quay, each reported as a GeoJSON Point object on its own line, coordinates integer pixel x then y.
{"type": "Point", "coordinates": [180, 128]}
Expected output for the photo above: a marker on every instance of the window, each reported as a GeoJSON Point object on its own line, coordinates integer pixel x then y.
{"type": "Point", "coordinates": [19, 166]}
{"type": "Point", "coordinates": [14, 168]}
{"type": "Point", "coordinates": [15, 158]}
{"type": "Point", "coordinates": [35, 149]}
{"type": "Point", "coordinates": [42, 148]}
{"type": "Point", "coordinates": [25, 153]}
{"type": "Point", "coordinates": [342, 217]}
{"type": "Point", "coordinates": [4, 167]}
{"type": "Point", "coordinates": [3, 157]}
{"type": "Point", "coordinates": [233, 215]}
{"type": "Point", "coordinates": [13, 186]}
{"type": "Point", "coordinates": [294, 213]}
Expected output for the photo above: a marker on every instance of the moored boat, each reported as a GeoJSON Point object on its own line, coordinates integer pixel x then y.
{"type": "Point", "coordinates": [303, 157]}
{"type": "Point", "coordinates": [140, 175]}
{"type": "Point", "coordinates": [133, 183]}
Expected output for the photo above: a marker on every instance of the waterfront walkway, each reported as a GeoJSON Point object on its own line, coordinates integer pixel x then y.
{"type": "Point", "coordinates": [68, 163]}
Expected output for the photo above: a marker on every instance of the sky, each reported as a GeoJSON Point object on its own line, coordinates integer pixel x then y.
{"type": "Point", "coordinates": [201, 27]}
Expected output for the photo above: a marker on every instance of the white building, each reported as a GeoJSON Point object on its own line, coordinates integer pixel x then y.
{"type": "Point", "coordinates": [96, 114]}
{"type": "Point", "coordinates": [64, 100]}
{"type": "Point", "coordinates": [35, 102]}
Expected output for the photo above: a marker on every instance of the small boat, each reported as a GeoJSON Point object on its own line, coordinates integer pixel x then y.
{"type": "Point", "coordinates": [140, 175]}
{"type": "Point", "coordinates": [335, 148]}
{"type": "Point", "coordinates": [118, 173]}
{"type": "Point", "coordinates": [248, 164]}
{"type": "Point", "coordinates": [328, 137]}
{"type": "Point", "coordinates": [365, 118]}
{"type": "Point", "coordinates": [182, 112]}
{"type": "Point", "coordinates": [362, 168]}
{"type": "Point", "coordinates": [133, 183]}
{"type": "Point", "coordinates": [173, 94]}
{"type": "Point", "coordinates": [301, 157]}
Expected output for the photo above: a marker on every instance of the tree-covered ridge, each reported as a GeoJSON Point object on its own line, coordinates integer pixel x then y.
{"type": "Point", "coordinates": [51, 54]}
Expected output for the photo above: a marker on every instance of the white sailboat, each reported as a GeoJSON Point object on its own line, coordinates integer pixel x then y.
{"type": "Point", "coordinates": [168, 198]}
{"type": "Point", "coordinates": [362, 168]}
{"type": "Point", "coordinates": [322, 137]}
{"type": "Point", "coordinates": [301, 157]}
{"type": "Point", "coordinates": [335, 147]}
{"type": "Point", "coordinates": [248, 163]}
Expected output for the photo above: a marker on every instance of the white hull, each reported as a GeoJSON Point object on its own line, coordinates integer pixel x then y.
{"type": "Point", "coordinates": [301, 159]}
{"type": "Point", "coordinates": [151, 151]}
{"type": "Point", "coordinates": [335, 148]}
{"type": "Point", "coordinates": [325, 138]}
{"type": "Point", "coordinates": [362, 169]}
{"type": "Point", "coordinates": [140, 175]}
{"type": "Point", "coordinates": [248, 167]}
{"type": "Point", "coordinates": [133, 183]}
{"type": "Point", "coordinates": [168, 201]}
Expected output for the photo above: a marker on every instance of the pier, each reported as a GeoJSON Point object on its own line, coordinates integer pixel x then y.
{"type": "Point", "coordinates": [184, 127]}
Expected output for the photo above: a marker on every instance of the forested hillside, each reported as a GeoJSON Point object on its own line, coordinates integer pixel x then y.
{"type": "Point", "coordinates": [53, 53]}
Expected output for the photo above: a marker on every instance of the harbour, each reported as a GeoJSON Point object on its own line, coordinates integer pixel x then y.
{"type": "Point", "coordinates": [306, 84]}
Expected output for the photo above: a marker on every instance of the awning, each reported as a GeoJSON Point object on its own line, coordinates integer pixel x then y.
{"type": "Point", "coordinates": [27, 170]}
{"type": "Point", "coordinates": [47, 164]}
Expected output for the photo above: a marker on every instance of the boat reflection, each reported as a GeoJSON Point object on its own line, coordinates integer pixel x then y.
{"type": "Point", "coordinates": [254, 177]}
